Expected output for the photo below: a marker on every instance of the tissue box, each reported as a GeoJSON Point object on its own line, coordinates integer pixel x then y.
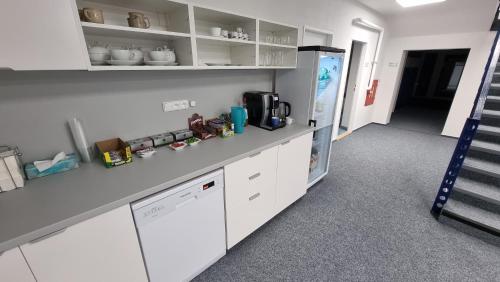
{"type": "Point", "coordinates": [69, 163]}
{"type": "Point", "coordinates": [114, 152]}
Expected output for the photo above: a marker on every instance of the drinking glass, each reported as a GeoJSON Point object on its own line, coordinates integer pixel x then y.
{"type": "Point", "coordinates": [269, 37]}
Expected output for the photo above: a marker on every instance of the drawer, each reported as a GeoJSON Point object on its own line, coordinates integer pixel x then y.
{"type": "Point", "coordinates": [250, 194]}
{"type": "Point", "coordinates": [253, 163]}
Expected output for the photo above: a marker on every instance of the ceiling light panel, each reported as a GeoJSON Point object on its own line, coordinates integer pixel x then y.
{"type": "Point", "coordinates": [413, 3]}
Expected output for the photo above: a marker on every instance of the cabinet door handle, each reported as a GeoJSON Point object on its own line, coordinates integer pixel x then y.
{"type": "Point", "coordinates": [47, 236]}
{"type": "Point", "coordinates": [254, 197]}
{"type": "Point", "coordinates": [252, 177]}
{"type": "Point", "coordinates": [286, 142]}
{"type": "Point", "coordinates": [254, 155]}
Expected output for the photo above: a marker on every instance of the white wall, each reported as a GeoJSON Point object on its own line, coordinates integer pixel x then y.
{"type": "Point", "coordinates": [479, 43]}
{"type": "Point", "coordinates": [465, 24]}
{"type": "Point", "coordinates": [35, 106]}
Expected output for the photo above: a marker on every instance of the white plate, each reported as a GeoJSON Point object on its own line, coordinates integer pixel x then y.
{"type": "Point", "coordinates": [122, 62]}
{"type": "Point", "coordinates": [160, 63]}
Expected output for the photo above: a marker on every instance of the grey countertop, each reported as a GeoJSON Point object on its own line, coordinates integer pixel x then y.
{"type": "Point", "coordinates": [49, 204]}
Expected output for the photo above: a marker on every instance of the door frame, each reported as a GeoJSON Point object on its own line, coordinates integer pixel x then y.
{"type": "Point", "coordinates": [357, 91]}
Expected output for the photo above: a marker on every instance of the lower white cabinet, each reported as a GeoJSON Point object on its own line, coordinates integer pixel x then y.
{"type": "Point", "coordinates": [13, 267]}
{"type": "Point", "coordinates": [262, 185]}
{"type": "Point", "coordinates": [249, 194]}
{"type": "Point", "coordinates": [293, 170]}
{"type": "Point", "coordinates": [103, 248]}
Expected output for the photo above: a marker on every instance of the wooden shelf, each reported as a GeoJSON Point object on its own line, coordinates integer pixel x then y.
{"type": "Point", "coordinates": [226, 40]}
{"type": "Point", "coordinates": [185, 28]}
{"type": "Point", "coordinates": [129, 32]}
{"type": "Point", "coordinates": [277, 45]}
{"type": "Point", "coordinates": [276, 67]}
{"type": "Point", "coordinates": [128, 68]}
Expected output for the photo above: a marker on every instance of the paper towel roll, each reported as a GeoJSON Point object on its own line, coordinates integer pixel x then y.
{"type": "Point", "coordinates": [80, 141]}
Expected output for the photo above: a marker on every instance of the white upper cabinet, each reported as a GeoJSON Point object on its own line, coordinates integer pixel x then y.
{"type": "Point", "coordinates": [14, 268]}
{"type": "Point", "coordinates": [49, 35]}
{"type": "Point", "coordinates": [102, 248]}
{"type": "Point", "coordinates": [40, 35]}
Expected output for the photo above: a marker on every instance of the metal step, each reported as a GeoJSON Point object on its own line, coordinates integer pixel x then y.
{"type": "Point", "coordinates": [469, 214]}
{"type": "Point", "coordinates": [491, 98]}
{"type": "Point", "coordinates": [491, 113]}
{"type": "Point", "coordinates": [487, 147]}
{"type": "Point", "coordinates": [495, 86]}
{"type": "Point", "coordinates": [482, 166]}
{"type": "Point", "coordinates": [479, 190]}
{"type": "Point", "coordinates": [489, 130]}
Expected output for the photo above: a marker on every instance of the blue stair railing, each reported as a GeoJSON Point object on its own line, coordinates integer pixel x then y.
{"type": "Point", "coordinates": [468, 132]}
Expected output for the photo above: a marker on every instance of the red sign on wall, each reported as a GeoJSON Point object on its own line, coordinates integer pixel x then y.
{"type": "Point", "coordinates": [370, 93]}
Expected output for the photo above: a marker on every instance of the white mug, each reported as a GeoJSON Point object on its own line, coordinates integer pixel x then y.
{"type": "Point", "coordinates": [225, 33]}
{"type": "Point", "coordinates": [215, 31]}
{"type": "Point", "coordinates": [289, 120]}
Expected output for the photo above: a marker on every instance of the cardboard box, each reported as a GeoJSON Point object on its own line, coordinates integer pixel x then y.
{"type": "Point", "coordinates": [107, 148]}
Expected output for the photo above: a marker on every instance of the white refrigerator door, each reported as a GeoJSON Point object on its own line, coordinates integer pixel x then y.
{"type": "Point", "coordinates": [328, 73]}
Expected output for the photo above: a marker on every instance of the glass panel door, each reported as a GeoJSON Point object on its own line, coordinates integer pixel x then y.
{"type": "Point", "coordinates": [327, 86]}
{"type": "Point", "coordinates": [320, 153]}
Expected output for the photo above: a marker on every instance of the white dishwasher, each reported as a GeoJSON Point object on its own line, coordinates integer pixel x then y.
{"type": "Point", "coordinates": [182, 230]}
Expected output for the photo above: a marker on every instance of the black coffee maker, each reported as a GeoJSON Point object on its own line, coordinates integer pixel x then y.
{"type": "Point", "coordinates": [264, 109]}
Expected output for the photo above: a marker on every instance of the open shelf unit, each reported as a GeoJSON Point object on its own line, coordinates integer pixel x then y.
{"type": "Point", "coordinates": [186, 29]}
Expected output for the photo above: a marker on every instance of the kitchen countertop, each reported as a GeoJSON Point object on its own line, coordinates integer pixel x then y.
{"type": "Point", "coordinates": [52, 203]}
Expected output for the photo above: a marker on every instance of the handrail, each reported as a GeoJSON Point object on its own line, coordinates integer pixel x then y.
{"type": "Point", "coordinates": [468, 131]}
{"type": "Point", "coordinates": [484, 87]}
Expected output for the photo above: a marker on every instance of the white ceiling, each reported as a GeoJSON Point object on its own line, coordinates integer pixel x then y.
{"type": "Point", "coordinates": [390, 7]}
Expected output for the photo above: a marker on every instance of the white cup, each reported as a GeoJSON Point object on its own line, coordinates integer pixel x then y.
{"type": "Point", "coordinates": [289, 120]}
{"type": "Point", "coordinates": [215, 31]}
{"type": "Point", "coordinates": [225, 33]}
{"type": "Point", "coordinates": [158, 55]}
{"type": "Point", "coordinates": [122, 55]}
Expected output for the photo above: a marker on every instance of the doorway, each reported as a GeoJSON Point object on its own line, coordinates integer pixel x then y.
{"type": "Point", "coordinates": [427, 89]}
{"type": "Point", "coordinates": [352, 85]}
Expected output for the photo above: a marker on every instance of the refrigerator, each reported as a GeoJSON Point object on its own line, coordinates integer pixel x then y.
{"type": "Point", "coordinates": [313, 90]}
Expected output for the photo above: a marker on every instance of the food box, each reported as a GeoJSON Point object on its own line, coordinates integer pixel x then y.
{"type": "Point", "coordinates": [114, 152]}
{"type": "Point", "coordinates": [162, 139]}
{"type": "Point", "coordinates": [182, 134]}
{"type": "Point", "coordinates": [199, 129]}
{"type": "Point", "coordinates": [140, 144]}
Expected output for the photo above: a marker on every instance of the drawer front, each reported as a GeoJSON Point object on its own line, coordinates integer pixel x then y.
{"type": "Point", "coordinates": [250, 194]}
{"type": "Point", "coordinates": [102, 248]}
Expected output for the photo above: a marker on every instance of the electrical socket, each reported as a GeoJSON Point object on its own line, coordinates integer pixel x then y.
{"type": "Point", "coordinates": [175, 105]}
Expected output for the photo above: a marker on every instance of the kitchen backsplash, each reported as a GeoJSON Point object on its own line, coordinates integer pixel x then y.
{"type": "Point", "coordinates": [35, 106]}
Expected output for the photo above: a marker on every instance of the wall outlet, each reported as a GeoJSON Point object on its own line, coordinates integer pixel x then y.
{"type": "Point", "coordinates": [175, 105]}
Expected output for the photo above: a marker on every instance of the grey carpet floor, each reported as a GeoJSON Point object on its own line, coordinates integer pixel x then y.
{"type": "Point", "coordinates": [420, 119]}
{"type": "Point", "coordinates": [368, 220]}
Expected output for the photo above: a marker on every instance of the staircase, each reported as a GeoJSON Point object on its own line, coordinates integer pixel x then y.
{"type": "Point", "coordinates": [470, 191]}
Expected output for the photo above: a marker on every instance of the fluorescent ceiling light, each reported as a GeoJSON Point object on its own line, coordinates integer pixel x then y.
{"type": "Point", "coordinates": [413, 3]}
